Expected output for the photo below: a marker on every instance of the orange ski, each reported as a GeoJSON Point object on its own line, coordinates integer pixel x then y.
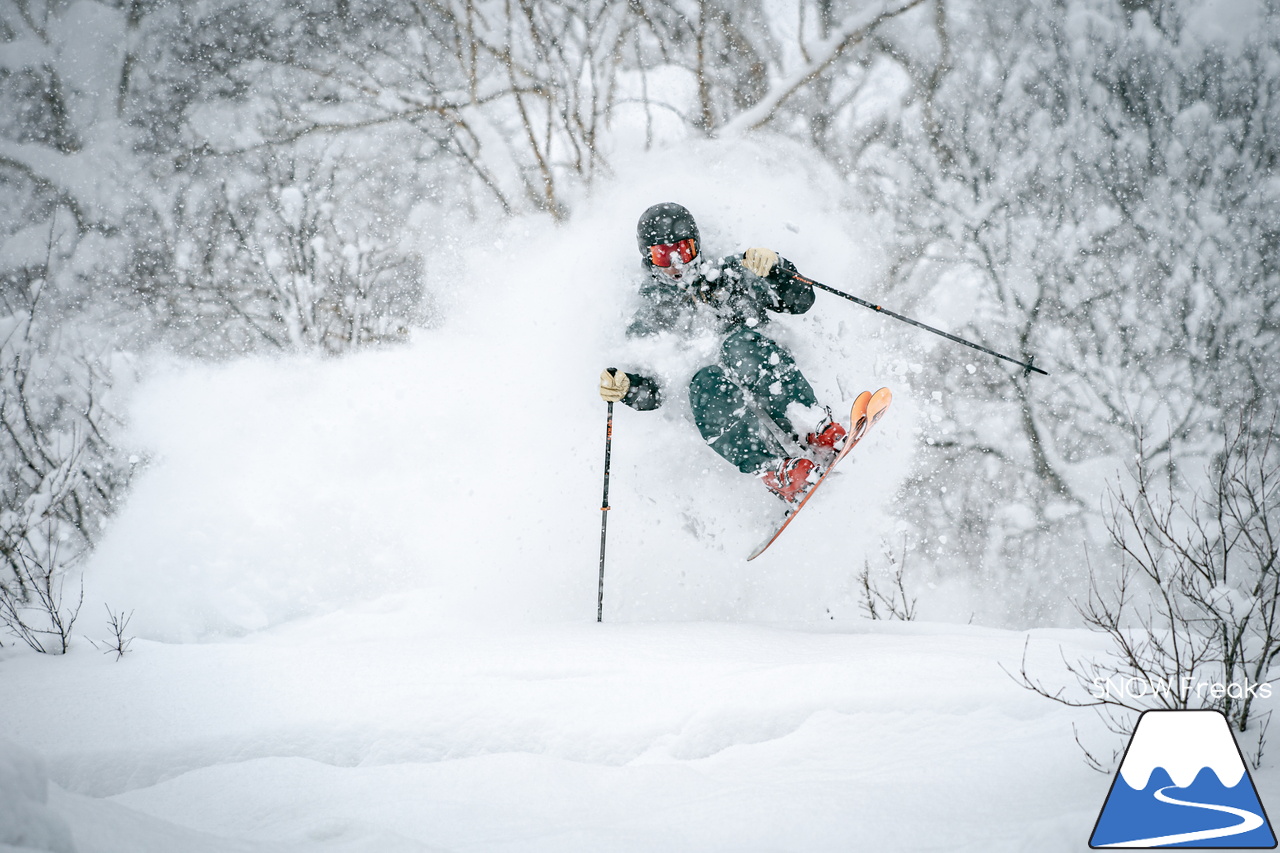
{"type": "Point", "coordinates": [867, 409]}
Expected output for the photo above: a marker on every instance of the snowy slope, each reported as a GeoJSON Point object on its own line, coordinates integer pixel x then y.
{"type": "Point", "coordinates": [376, 730]}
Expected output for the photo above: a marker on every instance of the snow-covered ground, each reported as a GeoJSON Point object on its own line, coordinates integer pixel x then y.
{"type": "Point", "coordinates": [375, 729]}
{"type": "Point", "coordinates": [365, 593]}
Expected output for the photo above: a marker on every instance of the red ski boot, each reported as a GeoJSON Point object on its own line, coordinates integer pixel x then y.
{"type": "Point", "coordinates": [791, 477]}
{"type": "Point", "coordinates": [828, 437]}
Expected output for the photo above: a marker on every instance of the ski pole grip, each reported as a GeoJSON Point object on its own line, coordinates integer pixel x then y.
{"type": "Point", "coordinates": [613, 372]}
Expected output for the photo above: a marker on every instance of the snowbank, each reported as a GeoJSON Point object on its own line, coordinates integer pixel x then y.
{"type": "Point", "coordinates": [26, 821]}
{"type": "Point", "coordinates": [373, 730]}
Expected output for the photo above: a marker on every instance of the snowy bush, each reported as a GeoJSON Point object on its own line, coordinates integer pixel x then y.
{"type": "Point", "coordinates": [1085, 185]}
{"type": "Point", "coordinates": [59, 475]}
{"type": "Point", "coordinates": [280, 264]}
{"type": "Point", "coordinates": [1194, 621]}
{"type": "Point", "coordinates": [62, 476]}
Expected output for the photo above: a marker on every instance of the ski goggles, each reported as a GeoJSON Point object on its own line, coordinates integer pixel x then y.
{"type": "Point", "coordinates": [661, 255]}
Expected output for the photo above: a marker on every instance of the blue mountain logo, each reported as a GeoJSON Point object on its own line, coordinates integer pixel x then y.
{"type": "Point", "coordinates": [1183, 783]}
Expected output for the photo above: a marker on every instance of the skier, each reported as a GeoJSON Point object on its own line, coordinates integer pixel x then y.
{"type": "Point", "coordinates": [754, 377]}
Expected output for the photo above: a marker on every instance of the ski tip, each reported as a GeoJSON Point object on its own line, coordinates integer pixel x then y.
{"type": "Point", "coordinates": [858, 417]}
{"type": "Point", "coordinates": [878, 406]}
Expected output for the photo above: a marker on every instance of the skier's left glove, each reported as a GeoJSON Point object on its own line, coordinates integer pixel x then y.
{"type": "Point", "coordinates": [760, 261]}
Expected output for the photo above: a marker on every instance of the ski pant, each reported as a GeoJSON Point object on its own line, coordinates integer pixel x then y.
{"type": "Point", "coordinates": [754, 378]}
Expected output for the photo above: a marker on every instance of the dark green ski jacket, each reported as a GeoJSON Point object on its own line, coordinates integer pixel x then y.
{"type": "Point", "coordinates": [723, 294]}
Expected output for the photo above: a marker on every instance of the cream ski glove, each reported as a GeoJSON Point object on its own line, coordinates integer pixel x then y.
{"type": "Point", "coordinates": [760, 261]}
{"type": "Point", "coordinates": [613, 388]}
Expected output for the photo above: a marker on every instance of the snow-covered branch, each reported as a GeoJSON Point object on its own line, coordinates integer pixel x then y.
{"type": "Point", "coordinates": [820, 58]}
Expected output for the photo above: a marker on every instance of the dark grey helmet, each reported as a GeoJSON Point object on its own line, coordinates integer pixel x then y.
{"type": "Point", "coordinates": [664, 224]}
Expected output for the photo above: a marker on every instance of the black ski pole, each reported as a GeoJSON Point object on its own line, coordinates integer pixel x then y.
{"type": "Point", "coordinates": [604, 505]}
{"type": "Point", "coordinates": [1027, 367]}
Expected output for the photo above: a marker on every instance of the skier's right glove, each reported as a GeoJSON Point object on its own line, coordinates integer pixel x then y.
{"type": "Point", "coordinates": [614, 387]}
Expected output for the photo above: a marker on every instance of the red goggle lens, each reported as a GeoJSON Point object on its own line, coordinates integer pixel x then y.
{"type": "Point", "coordinates": [661, 255]}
